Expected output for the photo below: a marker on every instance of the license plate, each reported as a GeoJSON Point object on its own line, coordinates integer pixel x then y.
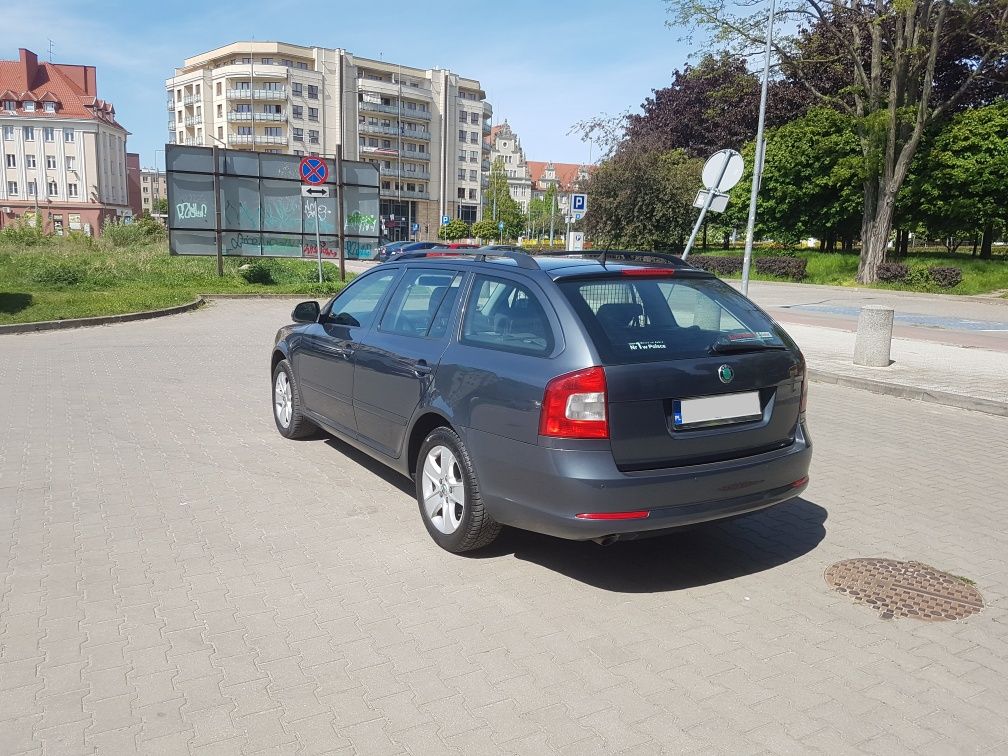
{"type": "Point", "coordinates": [717, 410]}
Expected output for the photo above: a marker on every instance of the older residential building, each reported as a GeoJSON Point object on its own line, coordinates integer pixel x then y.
{"type": "Point", "coordinates": [425, 129]}
{"type": "Point", "coordinates": [529, 179]}
{"type": "Point", "coordinates": [153, 187]}
{"type": "Point", "coordinates": [64, 153]}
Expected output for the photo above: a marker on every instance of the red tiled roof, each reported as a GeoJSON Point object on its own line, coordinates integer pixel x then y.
{"type": "Point", "coordinates": [566, 173]}
{"type": "Point", "coordinates": [67, 85]}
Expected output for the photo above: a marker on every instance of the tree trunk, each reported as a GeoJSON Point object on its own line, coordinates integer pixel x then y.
{"type": "Point", "coordinates": [725, 240]}
{"type": "Point", "coordinates": [705, 234]}
{"type": "Point", "coordinates": [976, 241]}
{"type": "Point", "coordinates": [875, 230]}
{"type": "Point", "coordinates": [988, 240]}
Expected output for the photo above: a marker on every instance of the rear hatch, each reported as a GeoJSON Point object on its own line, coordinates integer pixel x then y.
{"type": "Point", "coordinates": [695, 373]}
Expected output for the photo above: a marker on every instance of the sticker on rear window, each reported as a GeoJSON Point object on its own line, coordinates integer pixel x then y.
{"type": "Point", "coordinates": [636, 346]}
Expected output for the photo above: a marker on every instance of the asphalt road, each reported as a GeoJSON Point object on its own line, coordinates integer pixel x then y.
{"type": "Point", "coordinates": [175, 577]}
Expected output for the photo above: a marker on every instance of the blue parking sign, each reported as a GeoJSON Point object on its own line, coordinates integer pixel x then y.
{"type": "Point", "coordinates": [445, 220]}
{"type": "Point", "coordinates": [579, 203]}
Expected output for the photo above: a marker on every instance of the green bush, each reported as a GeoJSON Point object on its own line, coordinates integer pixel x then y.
{"type": "Point", "coordinates": [257, 273]}
{"type": "Point", "coordinates": [142, 231]}
{"type": "Point", "coordinates": [64, 272]}
{"type": "Point", "coordinates": [945, 276]}
{"type": "Point", "coordinates": [22, 232]}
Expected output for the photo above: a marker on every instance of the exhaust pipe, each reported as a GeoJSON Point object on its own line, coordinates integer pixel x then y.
{"type": "Point", "coordinates": [606, 540]}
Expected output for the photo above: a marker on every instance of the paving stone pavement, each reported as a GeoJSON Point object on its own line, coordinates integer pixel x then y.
{"type": "Point", "coordinates": [175, 577]}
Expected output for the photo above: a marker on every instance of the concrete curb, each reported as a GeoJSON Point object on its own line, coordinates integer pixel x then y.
{"type": "Point", "coordinates": [59, 325]}
{"type": "Point", "coordinates": [976, 404]}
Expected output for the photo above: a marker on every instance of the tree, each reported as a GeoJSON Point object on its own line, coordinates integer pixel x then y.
{"type": "Point", "coordinates": [963, 183]}
{"type": "Point", "coordinates": [453, 230]}
{"type": "Point", "coordinates": [161, 206]}
{"type": "Point", "coordinates": [889, 52]}
{"type": "Point", "coordinates": [537, 216]}
{"type": "Point", "coordinates": [485, 229]}
{"type": "Point", "coordinates": [642, 200]}
{"type": "Point", "coordinates": [499, 205]}
{"type": "Point", "coordinates": [811, 179]}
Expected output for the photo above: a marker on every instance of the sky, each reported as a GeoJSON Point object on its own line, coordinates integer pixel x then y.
{"type": "Point", "coordinates": [544, 66]}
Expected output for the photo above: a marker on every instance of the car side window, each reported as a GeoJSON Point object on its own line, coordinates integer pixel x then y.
{"type": "Point", "coordinates": [356, 306]}
{"type": "Point", "coordinates": [422, 303]}
{"type": "Point", "coordinates": [506, 315]}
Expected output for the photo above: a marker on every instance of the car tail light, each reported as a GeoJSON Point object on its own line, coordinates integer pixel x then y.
{"type": "Point", "coordinates": [647, 272]}
{"type": "Point", "coordinates": [574, 406]}
{"type": "Point", "coordinates": [804, 387]}
{"type": "Point", "coordinates": [641, 514]}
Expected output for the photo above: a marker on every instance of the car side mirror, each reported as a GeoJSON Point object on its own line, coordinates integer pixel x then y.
{"type": "Point", "coordinates": [306, 312]}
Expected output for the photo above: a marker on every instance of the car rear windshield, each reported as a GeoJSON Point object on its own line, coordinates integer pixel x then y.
{"type": "Point", "coordinates": [651, 319]}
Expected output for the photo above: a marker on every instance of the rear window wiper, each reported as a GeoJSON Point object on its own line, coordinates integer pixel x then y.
{"type": "Point", "coordinates": [726, 347]}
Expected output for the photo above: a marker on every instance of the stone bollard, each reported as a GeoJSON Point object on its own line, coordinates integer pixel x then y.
{"type": "Point", "coordinates": [874, 336]}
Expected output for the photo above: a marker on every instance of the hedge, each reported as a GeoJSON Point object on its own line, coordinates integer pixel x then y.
{"type": "Point", "coordinates": [793, 268]}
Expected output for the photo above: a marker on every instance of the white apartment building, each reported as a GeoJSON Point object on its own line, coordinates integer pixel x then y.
{"type": "Point", "coordinates": [153, 187]}
{"type": "Point", "coordinates": [425, 129]}
{"type": "Point", "coordinates": [63, 151]}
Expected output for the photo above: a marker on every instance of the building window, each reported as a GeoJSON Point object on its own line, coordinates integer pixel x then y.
{"type": "Point", "coordinates": [274, 131]}
{"type": "Point", "coordinates": [462, 135]}
{"type": "Point", "coordinates": [312, 92]}
{"type": "Point", "coordinates": [217, 89]}
{"type": "Point", "coordinates": [32, 188]}
{"type": "Point", "coordinates": [298, 111]}
{"type": "Point", "coordinates": [313, 136]}
{"type": "Point", "coordinates": [472, 194]}
{"type": "Point", "coordinates": [287, 63]}
{"type": "Point", "coordinates": [472, 175]}
{"type": "Point", "coordinates": [299, 152]}
{"type": "Point", "coordinates": [196, 91]}
{"type": "Point", "coordinates": [462, 156]}
{"type": "Point", "coordinates": [220, 132]}
{"type": "Point", "coordinates": [8, 132]}
{"type": "Point", "coordinates": [68, 135]}
{"type": "Point", "coordinates": [463, 117]}
{"type": "Point", "coordinates": [372, 142]}
{"type": "Point", "coordinates": [245, 130]}
{"type": "Point", "coordinates": [50, 107]}
{"type": "Point", "coordinates": [298, 134]}
{"type": "Point", "coordinates": [11, 161]}
{"type": "Point", "coordinates": [461, 174]}
{"type": "Point", "coordinates": [267, 61]}
{"type": "Point", "coordinates": [48, 134]}
{"type": "Point", "coordinates": [313, 114]}
{"type": "Point", "coordinates": [29, 133]}
{"type": "Point", "coordinates": [243, 107]}
{"type": "Point", "coordinates": [12, 188]}
{"type": "Point", "coordinates": [52, 189]}
{"type": "Point", "coordinates": [71, 163]}
{"type": "Point", "coordinates": [474, 137]}
{"type": "Point", "coordinates": [302, 65]}
{"type": "Point", "coordinates": [50, 162]}
{"type": "Point", "coordinates": [461, 193]}
{"type": "Point", "coordinates": [71, 190]}
{"type": "Point", "coordinates": [244, 86]}
{"type": "Point", "coordinates": [9, 105]}
{"type": "Point", "coordinates": [271, 86]}
{"type": "Point", "coordinates": [272, 109]}
{"type": "Point", "coordinates": [296, 88]}
{"type": "Point", "coordinates": [473, 156]}
{"type": "Point", "coordinates": [29, 106]}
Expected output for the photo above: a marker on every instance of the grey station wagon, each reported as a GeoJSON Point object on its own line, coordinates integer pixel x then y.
{"type": "Point", "coordinates": [598, 396]}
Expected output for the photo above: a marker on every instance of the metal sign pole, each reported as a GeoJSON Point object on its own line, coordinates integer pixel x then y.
{"type": "Point", "coordinates": [217, 213]}
{"type": "Point", "coordinates": [318, 244]}
{"type": "Point", "coordinates": [706, 206]}
{"type": "Point", "coordinates": [340, 210]}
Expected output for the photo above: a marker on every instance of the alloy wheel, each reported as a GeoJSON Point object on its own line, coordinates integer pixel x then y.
{"type": "Point", "coordinates": [443, 489]}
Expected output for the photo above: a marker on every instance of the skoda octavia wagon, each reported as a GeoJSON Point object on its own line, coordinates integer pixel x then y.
{"type": "Point", "coordinates": [601, 396]}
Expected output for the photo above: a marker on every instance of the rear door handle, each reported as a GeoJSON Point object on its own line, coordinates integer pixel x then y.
{"type": "Point", "coordinates": [346, 351]}
{"type": "Point", "coordinates": [421, 368]}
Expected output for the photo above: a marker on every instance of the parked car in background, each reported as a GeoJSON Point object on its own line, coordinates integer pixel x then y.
{"type": "Point", "coordinates": [461, 245]}
{"type": "Point", "coordinates": [385, 251]}
{"type": "Point", "coordinates": [596, 398]}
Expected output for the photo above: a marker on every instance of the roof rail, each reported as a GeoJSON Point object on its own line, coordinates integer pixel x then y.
{"type": "Point", "coordinates": [605, 255]}
{"type": "Point", "coordinates": [522, 260]}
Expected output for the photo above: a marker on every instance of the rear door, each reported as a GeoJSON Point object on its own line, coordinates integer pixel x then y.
{"type": "Point", "coordinates": [695, 372]}
{"type": "Point", "coordinates": [395, 362]}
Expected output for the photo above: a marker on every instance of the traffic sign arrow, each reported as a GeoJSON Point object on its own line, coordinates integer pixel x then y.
{"type": "Point", "coordinates": [314, 191]}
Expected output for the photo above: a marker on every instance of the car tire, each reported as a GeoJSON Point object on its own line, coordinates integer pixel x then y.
{"type": "Point", "coordinates": [444, 470]}
{"type": "Point", "coordinates": [287, 404]}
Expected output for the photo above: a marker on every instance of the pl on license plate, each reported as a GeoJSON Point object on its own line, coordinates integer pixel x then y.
{"type": "Point", "coordinates": [717, 410]}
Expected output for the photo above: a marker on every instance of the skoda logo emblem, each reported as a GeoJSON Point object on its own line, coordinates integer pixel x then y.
{"type": "Point", "coordinates": [725, 373]}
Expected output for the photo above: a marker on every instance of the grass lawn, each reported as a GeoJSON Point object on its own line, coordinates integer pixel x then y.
{"type": "Point", "coordinates": [60, 278]}
{"type": "Point", "coordinates": [836, 269]}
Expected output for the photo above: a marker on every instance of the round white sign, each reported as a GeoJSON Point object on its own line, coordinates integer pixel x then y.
{"type": "Point", "coordinates": [726, 165]}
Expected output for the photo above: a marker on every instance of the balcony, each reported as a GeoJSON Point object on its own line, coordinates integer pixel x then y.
{"type": "Point", "coordinates": [416, 134]}
{"type": "Point", "coordinates": [193, 120]}
{"type": "Point", "coordinates": [236, 115]}
{"type": "Point", "coordinates": [239, 138]}
{"type": "Point", "coordinates": [190, 99]}
{"type": "Point", "coordinates": [485, 182]}
{"type": "Point", "coordinates": [486, 129]}
{"type": "Point", "coordinates": [404, 193]}
{"type": "Point", "coordinates": [258, 94]}
{"type": "Point", "coordinates": [171, 105]}
{"type": "Point", "coordinates": [390, 88]}
{"type": "Point", "coordinates": [485, 165]}
{"type": "Point", "coordinates": [377, 128]}
{"type": "Point", "coordinates": [377, 107]}
{"type": "Point", "coordinates": [409, 155]}
{"type": "Point", "coordinates": [263, 139]}
{"type": "Point", "coordinates": [486, 146]}
{"type": "Point", "coordinates": [394, 172]}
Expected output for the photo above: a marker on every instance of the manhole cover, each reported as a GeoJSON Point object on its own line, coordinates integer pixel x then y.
{"type": "Point", "coordinates": [905, 589]}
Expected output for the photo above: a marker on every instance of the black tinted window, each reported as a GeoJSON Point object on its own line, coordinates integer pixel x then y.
{"type": "Point", "coordinates": [422, 303]}
{"type": "Point", "coordinates": [653, 319]}
{"type": "Point", "coordinates": [356, 306]}
{"type": "Point", "coordinates": [504, 314]}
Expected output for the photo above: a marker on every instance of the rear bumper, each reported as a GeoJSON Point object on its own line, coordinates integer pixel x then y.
{"type": "Point", "coordinates": [541, 489]}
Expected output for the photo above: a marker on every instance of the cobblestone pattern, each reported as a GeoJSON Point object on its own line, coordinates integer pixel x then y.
{"type": "Point", "coordinates": [174, 576]}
